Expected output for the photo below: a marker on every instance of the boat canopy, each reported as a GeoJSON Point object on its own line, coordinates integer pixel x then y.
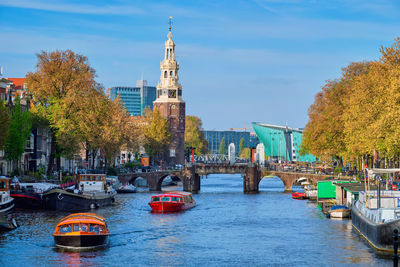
{"type": "Point", "coordinates": [382, 171]}
{"type": "Point", "coordinates": [301, 179]}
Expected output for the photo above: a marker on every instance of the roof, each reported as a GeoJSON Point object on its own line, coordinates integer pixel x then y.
{"type": "Point", "coordinates": [18, 83]}
{"type": "Point", "coordinates": [277, 127]}
{"type": "Point", "coordinates": [355, 187]}
{"type": "Point", "coordinates": [172, 193]}
{"type": "Point", "coordinates": [82, 217]}
{"type": "Point", "coordinates": [78, 220]}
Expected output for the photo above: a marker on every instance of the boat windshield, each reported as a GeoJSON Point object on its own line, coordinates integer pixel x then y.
{"type": "Point", "coordinates": [3, 184]}
{"type": "Point", "coordinates": [165, 199]}
{"type": "Point", "coordinates": [84, 227]}
{"type": "Point", "coordinates": [65, 229]}
{"type": "Point", "coordinates": [155, 199]}
{"type": "Point", "coordinates": [95, 228]}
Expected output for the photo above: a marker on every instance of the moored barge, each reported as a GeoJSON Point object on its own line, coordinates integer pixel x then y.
{"type": "Point", "coordinates": [91, 192]}
{"type": "Point", "coordinates": [376, 214]}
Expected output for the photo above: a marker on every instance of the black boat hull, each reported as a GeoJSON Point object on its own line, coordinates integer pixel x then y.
{"type": "Point", "coordinates": [81, 241]}
{"type": "Point", "coordinates": [62, 200]}
{"type": "Point", "coordinates": [27, 200]}
{"type": "Point", "coordinates": [380, 236]}
{"type": "Point", "coordinates": [7, 206]}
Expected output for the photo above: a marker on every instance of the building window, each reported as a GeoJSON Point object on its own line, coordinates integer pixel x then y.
{"type": "Point", "coordinates": [179, 92]}
{"type": "Point", "coordinates": [171, 74]}
{"type": "Point", "coordinates": [165, 74]}
{"type": "Point", "coordinates": [171, 93]}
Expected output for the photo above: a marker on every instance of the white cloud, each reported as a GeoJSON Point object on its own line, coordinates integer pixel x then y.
{"type": "Point", "coordinates": [73, 8]}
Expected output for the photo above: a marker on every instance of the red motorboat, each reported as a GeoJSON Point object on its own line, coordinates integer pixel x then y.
{"type": "Point", "coordinates": [172, 202]}
{"type": "Point", "coordinates": [297, 195]}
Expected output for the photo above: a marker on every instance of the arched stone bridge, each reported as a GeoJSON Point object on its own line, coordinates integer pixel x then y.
{"type": "Point", "coordinates": [190, 176]}
{"type": "Point", "coordinates": [288, 178]}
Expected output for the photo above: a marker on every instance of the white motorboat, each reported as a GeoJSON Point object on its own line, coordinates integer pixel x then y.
{"type": "Point", "coordinates": [128, 188]}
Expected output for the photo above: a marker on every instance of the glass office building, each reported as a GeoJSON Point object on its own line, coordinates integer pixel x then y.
{"type": "Point", "coordinates": [281, 142]}
{"type": "Point", "coordinates": [214, 139]}
{"type": "Point", "coordinates": [135, 99]}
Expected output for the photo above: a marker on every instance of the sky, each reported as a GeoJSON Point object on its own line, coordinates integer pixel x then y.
{"type": "Point", "coordinates": [241, 61]}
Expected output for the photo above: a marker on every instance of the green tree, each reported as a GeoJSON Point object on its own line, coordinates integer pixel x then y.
{"type": "Point", "coordinates": [194, 137]}
{"type": "Point", "coordinates": [157, 134]}
{"type": "Point", "coordinates": [18, 133]}
{"type": "Point", "coordinates": [4, 124]}
{"type": "Point", "coordinates": [221, 149]}
{"type": "Point", "coordinates": [241, 146]}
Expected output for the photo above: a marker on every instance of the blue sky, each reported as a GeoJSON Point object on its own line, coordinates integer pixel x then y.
{"type": "Point", "coordinates": [241, 61]}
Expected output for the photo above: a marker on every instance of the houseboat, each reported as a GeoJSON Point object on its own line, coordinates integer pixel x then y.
{"type": "Point", "coordinates": [376, 213]}
{"type": "Point", "coordinates": [81, 231]}
{"type": "Point", "coordinates": [29, 195]}
{"type": "Point", "coordinates": [91, 191]}
{"type": "Point", "coordinates": [6, 201]}
{"type": "Point", "coordinates": [172, 202]}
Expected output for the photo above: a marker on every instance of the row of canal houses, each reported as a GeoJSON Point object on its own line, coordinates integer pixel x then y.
{"type": "Point", "coordinates": [38, 145]}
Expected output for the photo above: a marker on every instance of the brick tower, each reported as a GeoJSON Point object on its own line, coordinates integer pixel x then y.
{"type": "Point", "coordinates": [170, 103]}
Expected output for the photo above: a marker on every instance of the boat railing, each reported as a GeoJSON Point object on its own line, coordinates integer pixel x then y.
{"type": "Point", "coordinates": [389, 199]}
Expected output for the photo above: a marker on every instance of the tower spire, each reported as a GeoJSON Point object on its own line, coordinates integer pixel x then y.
{"type": "Point", "coordinates": [170, 23]}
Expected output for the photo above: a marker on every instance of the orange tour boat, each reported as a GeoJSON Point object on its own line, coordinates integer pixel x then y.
{"type": "Point", "coordinates": [81, 231]}
{"type": "Point", "coordinates": [172, 202]}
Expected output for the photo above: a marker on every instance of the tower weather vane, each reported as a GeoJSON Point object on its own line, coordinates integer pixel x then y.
{"type": "Point", "coordinates": [170, 23]}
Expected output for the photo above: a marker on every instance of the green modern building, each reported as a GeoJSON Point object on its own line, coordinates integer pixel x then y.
{"type": "Point", "coordinates": [281, 142]}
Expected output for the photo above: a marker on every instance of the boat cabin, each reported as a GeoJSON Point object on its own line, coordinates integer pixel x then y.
{"type": "Point", "coordinates": [4, 189]}
{"type": "Point", "coordinates": [91, 182]}
{"type": "Point", "coordinates": [182, 197]}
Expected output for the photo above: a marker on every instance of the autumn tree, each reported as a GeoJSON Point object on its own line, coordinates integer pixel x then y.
{"type": "Point", "coordinates": [194, 136]}
{"type": "Point", "coordinates": [222, 145]}
{"type": "Point", "coordinates": [157, 134]}
{"type": "Point", "coordinates": [324, 134]}
{"type": "Point", "coordinates": [58, 85]}
{"type": "Point", "coordinates": [4, 124]}
{"type": "Point", "coordinates": [241, 146]}
{"type": "Point", "coordinates": [18, 132]}
{"type": "Point", "coordinates": [357, 116]}
{"type": "Point", "coordinates": [246, 153]}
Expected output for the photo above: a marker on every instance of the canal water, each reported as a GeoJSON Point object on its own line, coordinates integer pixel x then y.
{"type": "Point", "coordinates": [226, 228]}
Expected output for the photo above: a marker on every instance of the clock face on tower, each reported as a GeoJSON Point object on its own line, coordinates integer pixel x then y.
{"type": "Point", "coordinates": [171, 93]}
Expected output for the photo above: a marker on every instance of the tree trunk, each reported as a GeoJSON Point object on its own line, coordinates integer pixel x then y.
{"type": "Point", "coordinates": [50, 166]}
{"type": "Point", "coordinates": [105, 165]}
